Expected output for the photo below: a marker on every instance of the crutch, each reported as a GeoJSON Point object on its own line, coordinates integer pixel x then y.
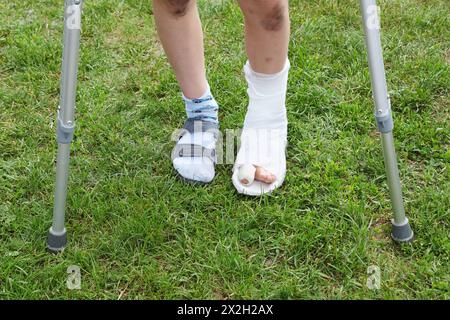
{"type": "Point", "coordinates": [65, 125]}
{"type": "Point", "coordinates": [401, 230]}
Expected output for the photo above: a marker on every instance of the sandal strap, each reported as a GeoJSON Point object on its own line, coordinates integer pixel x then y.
{"type": "Point", "coordinates": [193, 151]}
{"type": "Point", "coordinates": [192, 125]}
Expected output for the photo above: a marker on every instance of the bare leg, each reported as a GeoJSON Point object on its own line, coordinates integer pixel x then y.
{"type": "Point", "coordinates": [180, 31]}
{"type": "Point", "coordinates": [267, 29]}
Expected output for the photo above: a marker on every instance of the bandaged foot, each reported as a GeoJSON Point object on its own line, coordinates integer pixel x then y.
{"type": "Point", "coordinates": [260, 165]}
{"type": "Point", "coordinates": [194, 155]}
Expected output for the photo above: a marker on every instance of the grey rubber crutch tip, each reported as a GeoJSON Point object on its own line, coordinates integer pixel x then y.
{"type": "Point", "coordinates": [402, 232]}
{"type": "Point", "coordinates": [56, 241]}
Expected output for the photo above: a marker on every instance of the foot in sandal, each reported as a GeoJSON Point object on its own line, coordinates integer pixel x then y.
{"type": "Point", "coordinates": [194, 155]}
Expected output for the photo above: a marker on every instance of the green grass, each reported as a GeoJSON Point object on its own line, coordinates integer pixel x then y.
{"type": "Point", "coordinates": [136, 231]}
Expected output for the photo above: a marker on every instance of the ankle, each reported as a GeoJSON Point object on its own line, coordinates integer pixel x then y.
{"type": "Point", "coordinates": [204, 108]}
{"type": "Point", "coordinates": [266, 85]}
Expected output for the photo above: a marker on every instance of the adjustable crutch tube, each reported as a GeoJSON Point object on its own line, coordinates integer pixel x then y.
{"type": "Point", "coordinates": [401, 230]}
{"type": "Point", "coordinates": [65, 125]}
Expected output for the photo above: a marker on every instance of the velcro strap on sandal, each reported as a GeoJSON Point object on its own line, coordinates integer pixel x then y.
{"type": "Point", "coordinates": [193, 125]}
{"type": "Point", "coordinates": [193, 151]}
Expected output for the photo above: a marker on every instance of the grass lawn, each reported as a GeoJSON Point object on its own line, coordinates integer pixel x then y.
{"type": "Point", "coordinates": [137, 231]}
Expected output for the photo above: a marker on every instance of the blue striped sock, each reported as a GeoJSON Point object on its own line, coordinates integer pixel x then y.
{"type": "Point", "coordinates": [204, 108]}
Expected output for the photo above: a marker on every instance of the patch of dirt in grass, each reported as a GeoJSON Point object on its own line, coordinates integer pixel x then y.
{"type": "Point", "coordinates": [219, 295]}
{"type": "Point", "coordinates": [378, 229]}
{"type": "Point", "coordinates": [374, 133]}
{"type": "Point", "coordinates": [440, 110]}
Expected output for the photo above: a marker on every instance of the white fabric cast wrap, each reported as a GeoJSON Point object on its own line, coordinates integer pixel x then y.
{"type": "Point", "coordinates": [264, 136]}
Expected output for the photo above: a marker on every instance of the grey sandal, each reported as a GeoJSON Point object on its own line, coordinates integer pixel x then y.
{"type": "Point", "coordinates": [194, 150]}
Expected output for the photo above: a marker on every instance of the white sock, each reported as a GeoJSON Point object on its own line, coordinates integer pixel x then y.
{"type": "Point", "coordinates": [264, 136]}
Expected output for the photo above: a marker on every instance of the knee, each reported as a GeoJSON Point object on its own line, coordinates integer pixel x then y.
{"type": "Point", "coordinates": [271, 14]}
{"type": "Point", "coordinates": [178, 7]}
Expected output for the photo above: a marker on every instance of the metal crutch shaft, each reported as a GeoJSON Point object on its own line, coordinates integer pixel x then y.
{"type": "Point", "coordinates": [57, 236]}
{"type": "Point", "coordinates": [401, 230]}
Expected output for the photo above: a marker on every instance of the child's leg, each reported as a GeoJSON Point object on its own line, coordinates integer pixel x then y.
{"type": "Point", "coordinates": [267, 29]}
{"type": "Point", "coordinates": [180, 31]}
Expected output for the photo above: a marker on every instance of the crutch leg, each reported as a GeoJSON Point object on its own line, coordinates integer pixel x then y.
{"type": "Point", "coordinates": [401, 230]}
{"type": "Point", "coordinates": [57, 237]}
